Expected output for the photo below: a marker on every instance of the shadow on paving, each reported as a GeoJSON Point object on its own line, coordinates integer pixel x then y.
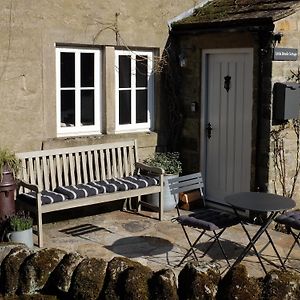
{"type": "Point", "coordinates": [137, 246]}
{"type": "Point", "coordinates": [232, 250]}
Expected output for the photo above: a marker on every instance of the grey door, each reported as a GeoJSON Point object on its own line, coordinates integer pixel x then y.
{"type": "Point", "coordinates": [228, 122]}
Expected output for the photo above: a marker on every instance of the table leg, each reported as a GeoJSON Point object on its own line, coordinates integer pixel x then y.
{"type": "Point", "coordinates": [253, 240]}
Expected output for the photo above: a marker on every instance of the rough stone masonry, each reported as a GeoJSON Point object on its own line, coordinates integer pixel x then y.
{"type": "Point", "coordinates": [55, 274]}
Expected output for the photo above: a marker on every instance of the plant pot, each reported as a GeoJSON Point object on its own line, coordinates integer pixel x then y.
{"type": "Point", "coordinates": [7, 193]}
{"type": "Point", "coordinates": [24, 237]}
{"type": "Point", "coordinates": [169, 202]}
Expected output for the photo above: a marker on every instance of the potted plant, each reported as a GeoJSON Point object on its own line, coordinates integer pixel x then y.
{"type": "Point", "coordinates": [9, 167]}
{"type": "Point", "coordinates": [20, 228]}
{"type": "Point", "coordinates": [170, 162]}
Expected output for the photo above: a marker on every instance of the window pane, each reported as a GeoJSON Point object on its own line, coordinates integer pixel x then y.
{"type": "Point", "coordinates": [87, 69]}
{"type": "Point", "coordinates": [67, 108]}
{"type": "Point", "coordinates": [124, 107]}
{"type": "Point", "coordinates": [141, 106]}
{"type": "Point", "coordinates": [124, 71]}
{"type": "Point", "coordinates": [67, 69]}
{"type": "Point", "coordinates": [87, 108]}
{"type": "Point", "coordinates": [141, 71]}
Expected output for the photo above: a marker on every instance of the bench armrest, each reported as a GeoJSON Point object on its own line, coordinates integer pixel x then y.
{"type": "Point", "coordinates": [150, 169]}
{"type": "Point", "coordinates": [33, 187]}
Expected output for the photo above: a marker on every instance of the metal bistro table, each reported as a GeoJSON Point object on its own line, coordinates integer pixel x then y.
{"type": "Point", "coordinates": [259, 203]}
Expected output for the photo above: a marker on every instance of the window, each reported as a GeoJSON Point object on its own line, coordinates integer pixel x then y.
{"type": "Point", "coordinates": [134, 90]}
{"type": "Point", "coordinates": [78, 91]}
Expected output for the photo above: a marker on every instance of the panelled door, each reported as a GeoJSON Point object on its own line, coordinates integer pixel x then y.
{"type": "Point", "coordinates": [228, 99]}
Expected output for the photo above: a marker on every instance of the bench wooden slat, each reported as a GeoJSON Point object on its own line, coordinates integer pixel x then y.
{"type": "Point", "coordinates": [120, 163]}
{"type": "Point", "coordinates": [102, 164]}
{"type": "Point", "coordinates": [90, 166]}
{"type": "Point", "coordinates": [78, 166]}
{"type": "Point", "coordinates": [39, 173]}
{"type": "Point", "coordinates": [114, 163]}
{"type": "Point", "coordinates": [52, 173]}
{"type": "Point", "coordinates": [72, 168]}
{"type": "Point", "coordinates": [46, 176]}
{"type": "Point", "coordinates": [108, 165]}
{"type": "Point", "coordinates": [58, 170]}
{"type": "Point", "coordinates": [84, 166]}
{"type": "Point", "coordinates": [66, 169]}
{"type": "Point", "coordinates": [96, 164]}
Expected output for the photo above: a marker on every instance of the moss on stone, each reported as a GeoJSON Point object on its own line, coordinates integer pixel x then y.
{"type": "Point", "coordinates": [163, 285]}
{"type": "Point", "coordinates": [88, 278]}
{"type": "Point", "coordinates": [36, 269]}
{"type": "Point", "coordinates": [237, 284]}
{"type": "Point", "coordinates": [61, 277]}
{"type": "Point", "coordinates": [10, 268]}
{"type": "Point", "coordinates": [111, 289]}
{"type": "Point", "coordinates": [281, 285]}
{"type": "Point", "coordinates": [134, 283]}
{"type": "Point", "coordinates": [198, 281]}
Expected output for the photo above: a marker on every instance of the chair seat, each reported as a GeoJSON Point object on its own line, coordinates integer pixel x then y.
{"type": "Point", "coordinates": [208, 219]}
{"type": "Point", "coordinates": [290, 219]}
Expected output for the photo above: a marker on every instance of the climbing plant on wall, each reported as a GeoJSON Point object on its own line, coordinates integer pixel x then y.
{"type": "Point", "coordinates": [286, 155]}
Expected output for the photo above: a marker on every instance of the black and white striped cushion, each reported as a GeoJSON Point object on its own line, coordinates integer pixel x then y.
{"type": "Point", "coordinates": [77, 191]}
{"type": "Point", "coordinates": [62, 193]}
{"type": "Point", "coordinates": [124, 184]}
{"type": "Point", "coordinates": [47, 197]}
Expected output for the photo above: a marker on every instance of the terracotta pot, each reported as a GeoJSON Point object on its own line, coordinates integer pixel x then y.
{"type": "Point", "coordinates": [7, 193]}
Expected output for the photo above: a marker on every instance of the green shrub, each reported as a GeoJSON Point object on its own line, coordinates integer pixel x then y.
{"type": "Point", "coordinates": [168, 161]}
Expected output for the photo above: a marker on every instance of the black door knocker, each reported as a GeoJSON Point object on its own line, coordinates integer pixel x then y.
{"type": "Point", "coordinates": [227, 83]}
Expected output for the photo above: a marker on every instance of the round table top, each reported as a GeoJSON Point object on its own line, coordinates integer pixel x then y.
{"type": "Point", "coordinates": [260, 202]}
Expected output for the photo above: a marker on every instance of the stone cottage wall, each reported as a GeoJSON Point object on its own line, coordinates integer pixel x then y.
{"type": "Point", "coordinates": [54, 274]}
{"type": "Point", "coordinates": [281, 72]}
{"type": "Point", "coordinates": [29, 33]}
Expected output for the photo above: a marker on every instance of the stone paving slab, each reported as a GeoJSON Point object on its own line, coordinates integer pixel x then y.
{"type": "Point", "coordinates": [157, 244]}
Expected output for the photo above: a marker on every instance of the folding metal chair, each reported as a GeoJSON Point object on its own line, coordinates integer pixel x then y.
{"type": "Point", "coordinates": [291, 220]}
{"type": "Point", "coordinates": [205, 219]}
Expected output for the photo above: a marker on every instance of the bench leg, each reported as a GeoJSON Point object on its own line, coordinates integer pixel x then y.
{"type": "Point", "coordinates": [139, 206]}
{"type": "Point", "coordinates": [40, 229]}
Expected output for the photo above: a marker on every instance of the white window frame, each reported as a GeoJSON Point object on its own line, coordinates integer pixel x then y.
{"type": "Point", "coordinates": [78, 129]}
{"type": "Point", "coordinates": [150, 91]}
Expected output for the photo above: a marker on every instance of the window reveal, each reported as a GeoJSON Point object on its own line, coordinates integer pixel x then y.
{"type": "Point", "coordinates": [78, 91]}
{"type": "Point", "coordinates": [134, 95]}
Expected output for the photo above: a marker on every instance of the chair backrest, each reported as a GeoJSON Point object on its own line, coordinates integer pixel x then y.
{"type": "Point", "coordinates": [187, 183]}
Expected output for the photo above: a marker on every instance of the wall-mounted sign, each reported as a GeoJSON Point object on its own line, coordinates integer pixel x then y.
{"type": "Point", "coordinates": [285, 54]}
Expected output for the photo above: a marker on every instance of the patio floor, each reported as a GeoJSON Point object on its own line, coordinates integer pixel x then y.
{"type": "Point", "coordinates": [157, 244]}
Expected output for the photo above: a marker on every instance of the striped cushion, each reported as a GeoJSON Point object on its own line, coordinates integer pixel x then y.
{"type": "Point", "coordinates": [77, 191]}
{"type": "Point", "coordinates": [124, 184]}
{"type": "Point", "coordinates": [70, 192]}
{"type": "Point", "coordinates": [47, 197]}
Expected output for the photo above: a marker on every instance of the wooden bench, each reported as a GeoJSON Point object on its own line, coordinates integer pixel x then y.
{"type": "Point", "coordinates": [49, 170]}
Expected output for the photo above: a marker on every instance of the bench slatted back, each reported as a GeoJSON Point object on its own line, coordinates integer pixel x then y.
{"type": "Point", "coordinates": [69, 166]}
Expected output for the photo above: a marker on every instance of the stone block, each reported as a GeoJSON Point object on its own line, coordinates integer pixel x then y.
{"type": "Point", "coordinates": [35, 271]}
{"type": "Point", "coordinates": [88, 279]}
{"type": "Point", "coordinates": [163, 285]}
{"type": "Point", "coordinates": [237, 285]}
{"type": "Point", "coordinates": [198, 281]}
{"type": "Point", "coordinates": [61, 277]}
{"type": "Point", "coordinates": [115, 268]}
{"type": "Point", "coordinates": [281, 285]}
{"type": "Point", "coordinates": [10, 269]}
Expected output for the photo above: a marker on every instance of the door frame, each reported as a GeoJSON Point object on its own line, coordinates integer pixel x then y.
{"type": "Point", "coordinates": [203, 115]}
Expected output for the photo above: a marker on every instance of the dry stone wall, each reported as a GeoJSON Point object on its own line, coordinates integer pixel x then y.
{"type": "Point", "coordinates": [55, 274]}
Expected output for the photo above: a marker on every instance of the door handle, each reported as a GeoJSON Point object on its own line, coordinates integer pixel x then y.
{"type": "Point", "coordinates": [209, 130]}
